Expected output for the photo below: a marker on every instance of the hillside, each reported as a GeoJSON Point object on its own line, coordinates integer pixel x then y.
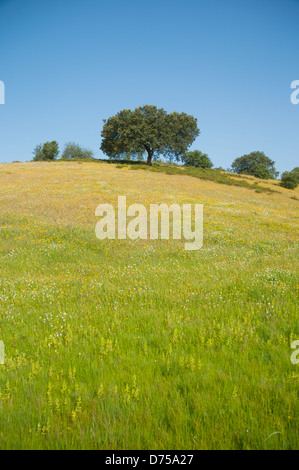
{"type": "Point", "coordinates": [122, 344]}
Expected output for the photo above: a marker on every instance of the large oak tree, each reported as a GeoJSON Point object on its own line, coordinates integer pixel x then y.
{"type": "Point", "coordinates": [148, 130]}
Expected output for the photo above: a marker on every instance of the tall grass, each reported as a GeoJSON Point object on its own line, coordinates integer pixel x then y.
{"type": "Point", "coordinates": [143, 345]}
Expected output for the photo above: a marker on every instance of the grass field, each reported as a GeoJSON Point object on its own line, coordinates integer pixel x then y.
{"type": "Point", "coordinates": [122, 344]}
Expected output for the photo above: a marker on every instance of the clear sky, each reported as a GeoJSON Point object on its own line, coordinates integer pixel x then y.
{"type": "Point", "coordinates": [69, 64]}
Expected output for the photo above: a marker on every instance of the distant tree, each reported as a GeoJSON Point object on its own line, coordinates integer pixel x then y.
{"type": "Point", "coordinates": [290, 179]}
{"type": "Point", "coordinates": [148, 130]}
{"type": "Point", "coordinates": [262, 171]}
{"type": "Point", "coordinates": [295, 172]}
{"type": "Point", "coordinates": [73, 151]}
{"type": "Point", "coordinates": [46, 152]}
{"type": "Point", "coordinates": [38, 155]}
{"type": "Point", "coordinates": [197, 158]}
{"type": "Point", "coordinates": [255, 164]}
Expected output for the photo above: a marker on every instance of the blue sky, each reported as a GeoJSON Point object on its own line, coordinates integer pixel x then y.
{"type": "Point", "coordinates": [69, 64]}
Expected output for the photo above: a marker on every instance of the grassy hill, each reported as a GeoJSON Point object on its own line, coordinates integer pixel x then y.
{"type": "Point", "coordinates": [122, 344]}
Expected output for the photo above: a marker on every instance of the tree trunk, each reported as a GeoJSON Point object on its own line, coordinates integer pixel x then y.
{"type": "Point", "coordinates": [149, 157]}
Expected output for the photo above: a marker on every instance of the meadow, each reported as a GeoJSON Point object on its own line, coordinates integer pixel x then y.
{"type": "Point", "coordinates": [122, 344]}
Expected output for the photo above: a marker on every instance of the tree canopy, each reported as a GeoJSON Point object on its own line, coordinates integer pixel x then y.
{"type": "Point", "coordinates": [256, 164]}
{"type": "Point", "coordinates": [148, 130]}
{"type": "Point", "coordinates": [290, 179]}
{"type": "Point", "coordinates": [46, 152]}
{"type": "Point", "coordinates": [72, 151]}
{"type": "Point", "coordinates": [197, 158]}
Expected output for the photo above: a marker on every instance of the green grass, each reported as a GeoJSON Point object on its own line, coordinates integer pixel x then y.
{"type": "Point", "coordinates": [132, 345]}
{"type": "Point", "coordinates": [216, 176]}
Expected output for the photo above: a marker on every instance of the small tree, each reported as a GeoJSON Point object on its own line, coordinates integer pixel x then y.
{"type": "Point", "coordinates": [148, 130]}
{"type": "Point", "coordinates": [73, 151]}
{"type": "Point", "coordinates": [46, 152]}
{"type": "Point", "coordinates": [255, 164]}
{"type": "Point", "coordinates": [290, 179]}
{"type": "Point", "coordinates": [197, 158]}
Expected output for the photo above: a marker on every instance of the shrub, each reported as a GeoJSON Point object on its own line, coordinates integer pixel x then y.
{"type": "Point", "coordinates": [197, 159]}
{"type": "Point", "coordinates": [290, 179]}
{"type": "Point", "coordinates": [73, 151]}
